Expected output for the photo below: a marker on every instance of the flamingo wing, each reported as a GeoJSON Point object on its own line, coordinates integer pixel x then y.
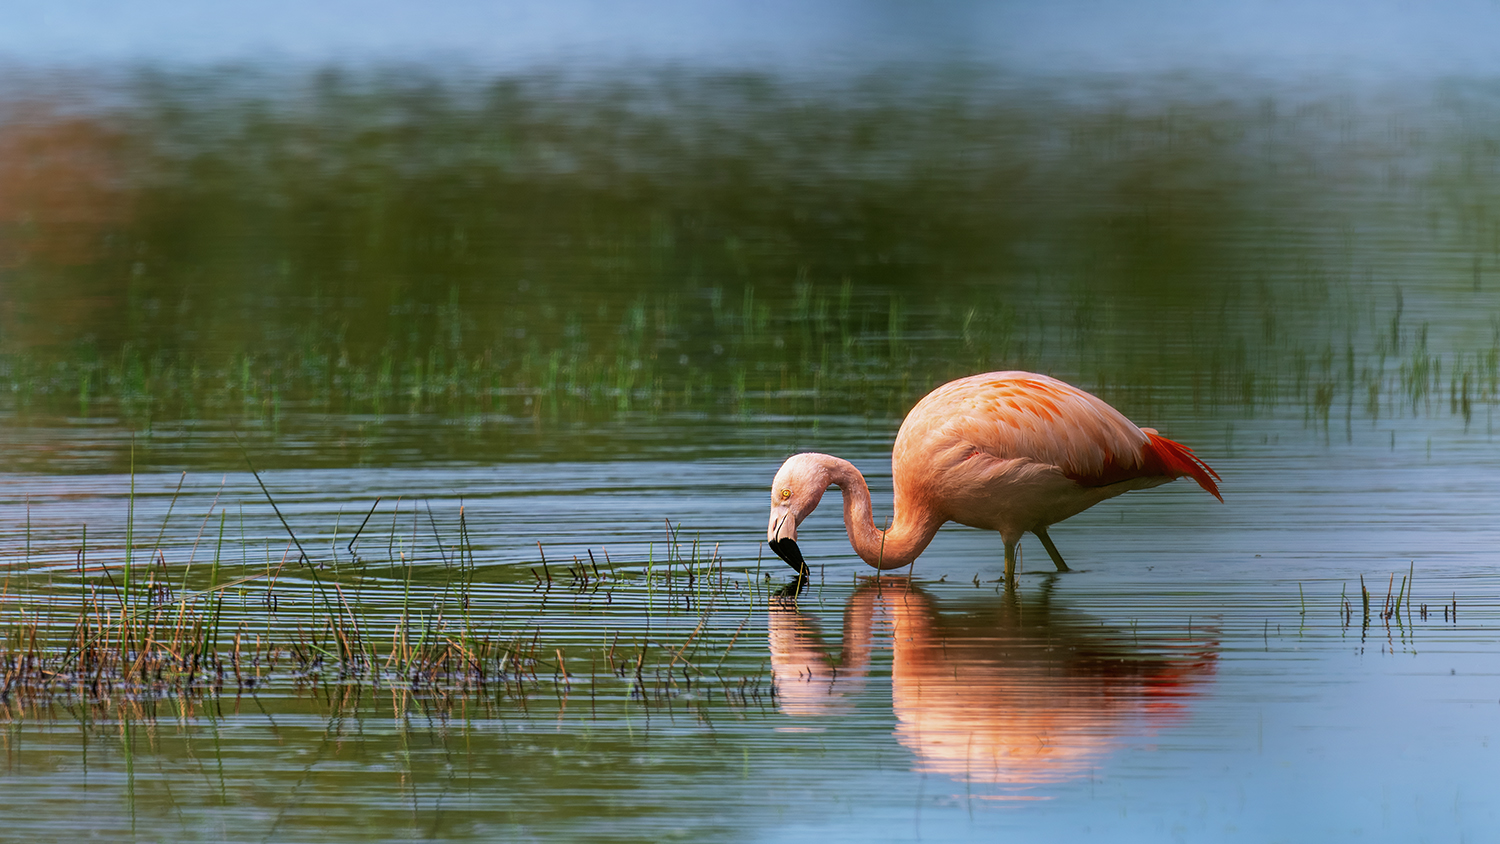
{"type": "Point", "coordinates": [1022, 415]}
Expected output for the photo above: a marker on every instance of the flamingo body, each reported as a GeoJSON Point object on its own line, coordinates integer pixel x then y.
{"type": "Point", "coordinates": [1013, 452]}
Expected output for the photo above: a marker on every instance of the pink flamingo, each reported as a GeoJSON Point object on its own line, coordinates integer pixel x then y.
{"type": "Point", "coordinates": [1004, 451]}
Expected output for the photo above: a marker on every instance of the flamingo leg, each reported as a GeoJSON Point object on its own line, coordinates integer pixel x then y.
{"type": "Point", "coordinates": [1010, 563]}
{"type": "Point", "coordinates": [1041, 533]}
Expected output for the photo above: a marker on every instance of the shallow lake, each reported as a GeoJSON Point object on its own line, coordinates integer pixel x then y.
{"type": "Point", "coordinates": [1208, 671]}
{"type": "Point", "coordinates": [517, 356]}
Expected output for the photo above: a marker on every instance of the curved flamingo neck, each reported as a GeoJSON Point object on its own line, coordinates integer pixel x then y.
{"type": "Point", "coordinates": [912, 526]}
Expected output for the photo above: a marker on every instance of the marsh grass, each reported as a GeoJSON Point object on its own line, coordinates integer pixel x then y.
{"type": "Point", "coordinates": [554, 252]}
{"type": "Point", "coordinates": [95, 637]}
{"type": "Point", "coordinates": [422, 623]}
{"type": "Point", "coordinates": [794, 372]}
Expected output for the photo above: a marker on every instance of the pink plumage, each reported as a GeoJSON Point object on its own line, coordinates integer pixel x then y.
{"type": "Point", "coordinates": [1013, 452]}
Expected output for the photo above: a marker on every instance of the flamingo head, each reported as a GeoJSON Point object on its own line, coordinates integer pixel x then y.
{"type": "Point", "coordinates": [795, 493]}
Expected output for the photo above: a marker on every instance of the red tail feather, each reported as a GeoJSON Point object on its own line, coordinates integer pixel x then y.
{"type": "Point", "coordinates": [1178, 460]}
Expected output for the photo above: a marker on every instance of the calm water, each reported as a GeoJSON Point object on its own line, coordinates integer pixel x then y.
{"type": "Point", "coordinates": [1197, 678]}
{"type": "Point", "coordinates": [462, 321]}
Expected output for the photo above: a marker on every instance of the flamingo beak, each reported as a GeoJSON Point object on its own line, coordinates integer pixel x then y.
{"type": "Point", "coordinates": [782, 538]}
{"type": "Point", "coordinates": [788, 551]}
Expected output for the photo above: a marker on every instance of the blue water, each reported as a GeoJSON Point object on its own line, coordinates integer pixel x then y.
{"type": "Point", "coordinates": [1387, 40]}
{"type": "Point", "coordinates": [1196, 678]}
{"type": "Point", "coordinates": [1208, 671]}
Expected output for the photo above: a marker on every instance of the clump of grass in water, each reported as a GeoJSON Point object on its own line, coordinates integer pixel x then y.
{"type": "Point", "coordinates": [174, 637]}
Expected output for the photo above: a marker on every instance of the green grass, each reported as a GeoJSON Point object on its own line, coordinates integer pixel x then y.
{"type": "Point", "coordinates": [415, 626]}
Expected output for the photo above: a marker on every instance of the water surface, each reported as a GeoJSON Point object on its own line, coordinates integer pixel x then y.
{"type": "Point", "coordinates": [464, 323]}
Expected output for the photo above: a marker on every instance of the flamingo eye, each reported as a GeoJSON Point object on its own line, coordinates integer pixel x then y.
{"type": "Point", "coordinates": [785, 494]}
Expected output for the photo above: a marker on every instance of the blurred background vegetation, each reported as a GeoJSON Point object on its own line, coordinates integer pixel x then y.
{"type": "Point", "coordinates": [526, 258]}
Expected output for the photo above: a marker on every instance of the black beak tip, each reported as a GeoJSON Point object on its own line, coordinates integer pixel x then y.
{"type": "Point", "coordinates": [788, 551]}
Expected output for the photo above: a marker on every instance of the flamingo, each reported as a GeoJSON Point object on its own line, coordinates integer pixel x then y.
{"type": "Point", "coordinates": [1012, 452]}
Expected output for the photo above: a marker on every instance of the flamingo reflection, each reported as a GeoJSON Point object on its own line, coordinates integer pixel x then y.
{"type": "Point", "coordinates": [1016, 693]}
